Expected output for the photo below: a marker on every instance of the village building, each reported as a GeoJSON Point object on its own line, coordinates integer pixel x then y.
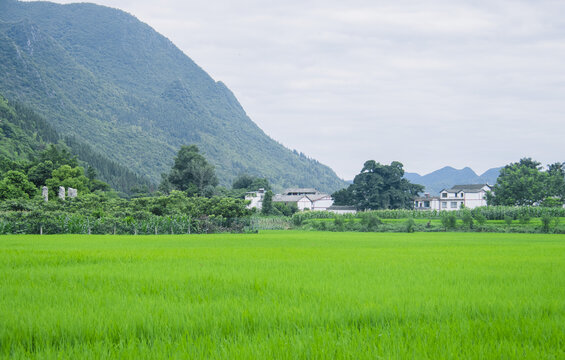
{"type": "Point", "coordinates": [305, 199]}
{"type": "Point", "coordinates": [458, 197]}
{"type": "Point", "coordinates": [427, 202]}
{"type": "Point", "coordinates": [455, 198]}
{"type": "Point", "coordinates": [255, 199]}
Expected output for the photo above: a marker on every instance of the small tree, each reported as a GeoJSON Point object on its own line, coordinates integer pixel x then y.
{"type": "Point", "coordinates": [267, 207]}
{"type": "Point", "coordinates": [467, 219]}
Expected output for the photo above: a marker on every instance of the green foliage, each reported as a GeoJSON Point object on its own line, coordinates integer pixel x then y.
{"type": "Point", "coordinates": [28, 143]}
{"type": "Point", "coordinates": [67, 176]}
{"type": "Point", "coordinates": [525, 184]}
{"type": "Point", "coordinates": [467, 219]}
{"type": "Point", "coordinates": [480, 217]}
{"type": "Point", "coordinates": [344, 196]}
{"type": "Point", "coordinates": [508, 219]}
{"type": "Point", "coordinates": [267, 206]}
{"type": "Point", "coordinates": [379, 187]}
{"type": "Point", "coordinates": [370, 220]}
{"type": "Point", "coordinates": [449, 220]}
{"type": "Point", "coordinates": [409, 225]}
{"type": "Point", "coordinates": [283, 209]}
{"type": "Point", "coordinates": [192, 173]}
{"type": "Point", "coordinates": [135, 96]}
{"type": "Point", "coordinates": [15, 185]}
{"type": "Point", "coordinates": [250, 183]}
{"type": "Point", "coordinates": [548, 223]}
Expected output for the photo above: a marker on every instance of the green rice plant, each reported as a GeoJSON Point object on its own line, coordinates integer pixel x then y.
{"type": "Point", "coordinates": [284, 295]}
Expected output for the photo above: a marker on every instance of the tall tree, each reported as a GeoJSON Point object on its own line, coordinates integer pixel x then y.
{"type": "Point", "coordinates": [556, 180]}
{"type": "Point", "coordinates": [380, 187]}
{"type": "Point", "coordinates": [191, 172]}
{"type": "Point", "coordinates": [267, 207]}
{"type": "Point", "coordinates": [520, 183]}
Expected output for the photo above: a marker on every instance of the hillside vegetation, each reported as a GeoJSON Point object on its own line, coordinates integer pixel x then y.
{"type": "Point", "coordinates": [110, 81]}
{"type": "Point", "coordinates": [24, 135]}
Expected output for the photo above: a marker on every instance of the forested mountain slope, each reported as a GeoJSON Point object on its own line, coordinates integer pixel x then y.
{"type": "Point", "coordinates": [24, 134]}
{"type": "Point", "coordinates": [100, 75]}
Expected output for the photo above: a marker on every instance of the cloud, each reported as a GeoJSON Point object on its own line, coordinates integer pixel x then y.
{"type": "Point", "coordinates": [462, 83]}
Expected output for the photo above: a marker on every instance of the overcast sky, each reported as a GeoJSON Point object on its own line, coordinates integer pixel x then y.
{"type": "Point", "coordinates": [428, 83]}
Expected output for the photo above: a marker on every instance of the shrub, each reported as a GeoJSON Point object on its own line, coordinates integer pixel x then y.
{"type": "Point", "coordinates": [449, 220]}
{"type": "Point", "coordinates": [524, 218]}
{"type": "Point", "coordinates": [370, 221]}
{"type": "Point", "coordinates": [467, 219]}
{"type": "Point", "coordinates": [409, 225]}
{"type": "Point", "coordinates": [548, 222]}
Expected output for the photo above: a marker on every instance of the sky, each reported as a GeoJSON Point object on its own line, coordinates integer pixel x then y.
{"type": "Point", "coordinates": [428, 83]}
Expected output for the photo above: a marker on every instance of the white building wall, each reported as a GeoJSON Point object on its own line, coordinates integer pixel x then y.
{"type": "Point", "coordinates": [304, 203]}
{"type": "Point", "coordinates": [322, 204]}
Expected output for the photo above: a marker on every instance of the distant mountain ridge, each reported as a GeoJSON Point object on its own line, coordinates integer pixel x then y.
{"type": "Point", "coordinates": [109, 81]}
{"type": "Point", "coordinates": [448, 176]}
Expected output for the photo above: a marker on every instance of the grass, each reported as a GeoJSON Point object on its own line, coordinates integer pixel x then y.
{"type": "Point", "coordinates": [283, 295]}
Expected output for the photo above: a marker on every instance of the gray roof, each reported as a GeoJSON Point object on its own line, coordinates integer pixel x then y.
{"type": "Point", "coordinates": [466, 188]}
{"type": "Point", "coordinates": [317, 196]}
{"type": "Point", "coordinates": [304, 191]}
{"type": "Point", "coordinates": [287, 198]}
{"type": "Point", "coordinates": [296, 198]}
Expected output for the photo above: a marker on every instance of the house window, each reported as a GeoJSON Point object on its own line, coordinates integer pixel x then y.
{"type": "Point", "coordinates": [461, 194]}
{"type": "Point", "coordinates": [426, 204]}
{"type": "Point", "coordinates": [454, 204]}
{"type": "Point", "coordinates": [443, 195]}
{"type": "Point", "coordinates": [444, 204]}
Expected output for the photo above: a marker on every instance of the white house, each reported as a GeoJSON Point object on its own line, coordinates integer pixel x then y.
{"type": "Point", "coordinates": [255, 199]}
{"type": "Point", "coordinates": [427, 202]}
{"type": "Point", "coordinates": [305, 199]}
{"type": "Point", "coordinates": [469, 196]}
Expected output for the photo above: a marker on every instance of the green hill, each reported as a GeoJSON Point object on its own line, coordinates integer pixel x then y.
{"type": "Point", "coordinates": [108, 80]}
{"type": "Point", "coordinates": [24, 134]}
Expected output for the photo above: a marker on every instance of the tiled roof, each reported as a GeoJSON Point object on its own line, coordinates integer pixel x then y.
{"type": "Point", "coordinates": [466, 188]}
{"type": "Point", "coordinates": [304, 191]}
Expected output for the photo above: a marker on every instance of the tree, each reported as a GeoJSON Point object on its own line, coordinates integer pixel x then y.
{"type": "Point", "coordinates": [67, 177]}
{"type": "Point", "coordinates": [343, 197]}
{"type": "Point", "coordinates": [380, 187]}
{"type": "Point", "coordinates": [15, 185]}
{"type": "Point", "coordinates": [524, 184]}
{"type": "Point", "coordinates": [267, 207]}
{"type": "Point", "coordinates": [556, 181]}
{"type": "Point", "coordinates": [40, 172]}
{"type": "Point", "coordinates": [191, 172]}
{"type": "Point", "coordinates": [250, 183]}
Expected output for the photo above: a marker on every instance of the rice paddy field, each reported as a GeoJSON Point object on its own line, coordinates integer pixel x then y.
{"type": "Point", "coordinates": [283, 295]}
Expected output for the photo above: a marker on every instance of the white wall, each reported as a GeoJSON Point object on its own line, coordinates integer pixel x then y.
{"type": "Point", "coordinates": [322, 204]}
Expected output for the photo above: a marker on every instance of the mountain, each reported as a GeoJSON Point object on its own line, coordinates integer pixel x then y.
{"type": "Point", "coordinates": [24, 134]}
{"type": "Point", "coordinates": [447, 177]}
{"type": "Point", "coordinates": [106, 79]}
